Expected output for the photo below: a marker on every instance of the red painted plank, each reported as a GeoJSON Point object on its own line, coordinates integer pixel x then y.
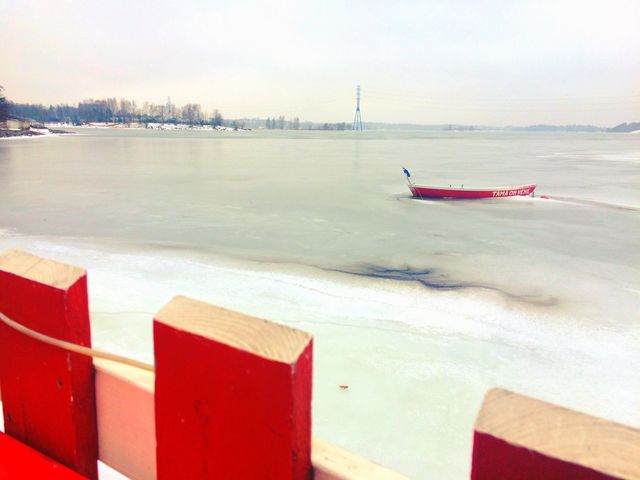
{"type": "Point", "coordinates": [494, 458]}
{"type": "Point", "coordinates": [519, 437]}
{"type": "Point", "coordinates": [47, 393]}
{"type": "Point", "coordinates": [232, 394]}
{"type": "Point", "coordinates": [17, 461]}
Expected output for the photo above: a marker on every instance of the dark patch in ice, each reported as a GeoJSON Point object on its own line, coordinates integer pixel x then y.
{"type": "Point", "coordinates": [426, 277]}
{"type": "Point", "coordinates": [431, 278]}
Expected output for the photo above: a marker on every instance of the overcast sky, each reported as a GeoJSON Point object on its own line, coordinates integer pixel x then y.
{"type": "Point", "coordinates": [474, 62]}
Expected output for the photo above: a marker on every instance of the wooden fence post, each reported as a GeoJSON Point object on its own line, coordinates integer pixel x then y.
{"type": "Point", "coordinates": [47, 393]}
{"type": "Point", "coordinates": [518, 437]}
{"type": "Point", "coordinates": [126, 419]}
{"type": "Point", "coordinates": [232, 393]}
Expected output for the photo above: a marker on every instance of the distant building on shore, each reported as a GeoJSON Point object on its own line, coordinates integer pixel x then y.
{"type": "Point", "coordinates": [15, 124]}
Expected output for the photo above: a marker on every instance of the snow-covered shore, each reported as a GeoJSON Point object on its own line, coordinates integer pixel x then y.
{"type": "Point", "coordinates": [31, 133]}
{"type": "Point", "coordinates": [150, 126]}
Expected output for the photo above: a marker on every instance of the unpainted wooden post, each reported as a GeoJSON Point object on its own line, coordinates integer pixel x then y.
{"type": "Point", "coordinates": [518, 437]}
{"type": "Point", "coordinates": [232, 393]}
{"type": "Point", "coordinates": [331, 462]}
{"type": "Point", "coordinates": [47, 393]}
{"type": "Point", "coordinates": [126, 419]}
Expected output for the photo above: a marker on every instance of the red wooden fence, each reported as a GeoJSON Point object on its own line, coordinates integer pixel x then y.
{"type": "Point", "coordinates": [230, 398]}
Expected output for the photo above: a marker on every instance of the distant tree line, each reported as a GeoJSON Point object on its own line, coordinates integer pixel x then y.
{"type": "Point", "coordinates": [4, 106]}
{"type": "Point", "coordinates": [558, 128]}
{"type": "Point", "coordinates": [110, 110]}
{"type": "Point", "coordinates": [281, 123]}
{"type": "Point", "coordinates": [123, 111]}
{"type": "Point", "coordinates": [626, 127]}
{"type": "Point", "coordinates": [335, 126]}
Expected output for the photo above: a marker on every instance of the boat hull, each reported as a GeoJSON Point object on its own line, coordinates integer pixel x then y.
{"type": "Point", "coordinates": [488, 192]}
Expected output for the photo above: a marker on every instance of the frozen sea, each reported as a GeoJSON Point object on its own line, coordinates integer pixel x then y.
{"type": "Point", "coordinates": [419, 306]}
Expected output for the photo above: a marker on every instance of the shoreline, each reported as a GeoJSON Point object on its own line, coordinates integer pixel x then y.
{"type": "Point", "coordinates": [33, 133]}
{"type": "Point", "coordinates": [151, 126]}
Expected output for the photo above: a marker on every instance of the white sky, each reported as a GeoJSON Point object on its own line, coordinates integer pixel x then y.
{"type": "Point", "coordinates": [476, 62]}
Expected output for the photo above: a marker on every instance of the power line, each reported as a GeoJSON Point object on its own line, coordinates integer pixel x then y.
{"type": "Point", "coordinates": [417, 97]}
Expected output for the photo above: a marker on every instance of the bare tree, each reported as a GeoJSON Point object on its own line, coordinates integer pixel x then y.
{"type": "Point", "coordinates": [4, 106]}
{"type": "Point", "coordinates": [217, 118]}
{"type": "Point", "coordinates": [112, 110]}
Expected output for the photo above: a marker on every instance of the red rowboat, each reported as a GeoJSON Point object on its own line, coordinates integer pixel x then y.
{"type": "Point", "coordinates": [475, 192]}
{"type": "Point", "coordinates": [422, 191]}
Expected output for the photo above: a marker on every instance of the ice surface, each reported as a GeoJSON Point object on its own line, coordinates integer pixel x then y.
{"type": "Point", "coordinates": [418, 306]}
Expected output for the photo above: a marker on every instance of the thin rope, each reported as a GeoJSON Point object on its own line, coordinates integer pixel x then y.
{"type": "Point", "coordinates": [72, 347]}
